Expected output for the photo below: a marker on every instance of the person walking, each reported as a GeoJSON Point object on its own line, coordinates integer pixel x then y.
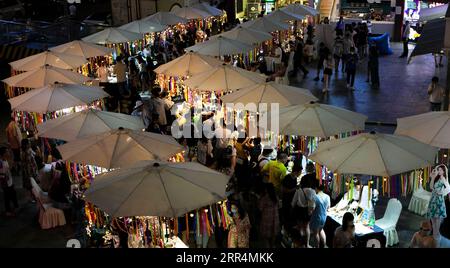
{"type": "Point", "coordinates": [239, 230]}
{"type": "Point", "coordinates": [303, 205]}
{"type": "Point", "coordinates": [269, 225]}
{"type": "Point", "coordinates": [319, 216]}
{"type": "Point", "coordinates": [348, 44]}
{"type": "Point", "coordinates": [373, 73]}
{"type": "Point", "coordinates": [338, 50]}
{"type": "Point", "coordinates": [363, 33]}
{"type": "Point", "coordinates": [350, 66]}
{"type": "Point", "coordinates": [14, 137]}
{"type": "Point", "coordinates": [340, 25]}
{"type": "Point", "coordinates": [289, 186]}
{"type": "Point", "coordinates": [328, 66]}
{"type": "Point", "coordinates": [405, 39]}
{"type": "Point", "coordinates": [29, 166]}
{"type": "Point", "coordinates": [120, 70]}
{"type": "Point", "coordinates": [321, 59]}
{"type": "Point", "coordinates": [277, 171]}
{"type": "Point", "coordinates": [298, 59]}
{"type": "Point", "coordinates": [436, 93]}
{"type": "Point", "coordinates": [6, 182]}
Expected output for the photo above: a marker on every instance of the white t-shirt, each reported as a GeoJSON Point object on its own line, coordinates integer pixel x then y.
{"type": "Point", "coordinates": [263, 162]}
{"type": "Point", "coordinates": [120, 69]}
{"type": "Point", "coordinates": [159, 108]}
{"type": "Point", "coordinates": [278, 55]}
{"type": "Point", "coordinates": [5, 170]}
{"type": "Point", "coordinates": [304, 198]}
{"type": "Point", "coordinates": [102, 73]}
{"type": "Point", "coordinates": [223, 136]}
{"type": "Point", "coordinates": [437, 93]}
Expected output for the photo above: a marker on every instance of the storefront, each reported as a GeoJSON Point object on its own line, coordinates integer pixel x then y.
{"type": "Point", "coordinates": [412, 11]}
{"type": "Point", "coordinates": [379, 14]}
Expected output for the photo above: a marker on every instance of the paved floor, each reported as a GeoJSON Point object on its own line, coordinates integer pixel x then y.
{"type": "Point", "coordinates": [402, 93]}
{"type": "Point", "coordinates": [403, 88]}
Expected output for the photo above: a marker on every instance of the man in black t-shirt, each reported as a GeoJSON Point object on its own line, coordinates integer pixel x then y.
{"type": "Point", "coordinates": [289, 186]}
{"type": "Point", "coordinates": [309, 180]}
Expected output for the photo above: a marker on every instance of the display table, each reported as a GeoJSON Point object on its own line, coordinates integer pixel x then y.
{"type": "Point", "coordinates": [362, 233]}
{"type": "Point", "coordinates": [419, 202]}
{"type": "Point", "coordinates": [175, 242]}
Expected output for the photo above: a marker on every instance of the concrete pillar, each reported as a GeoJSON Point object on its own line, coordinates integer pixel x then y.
{"type": "Point", "coordinates": [399, 10]}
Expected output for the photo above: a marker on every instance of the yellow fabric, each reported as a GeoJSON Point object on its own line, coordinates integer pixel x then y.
{"type": "Point", "coordinates": [276, 171]}
{"type": "Point", "coordinates": [240, 152]}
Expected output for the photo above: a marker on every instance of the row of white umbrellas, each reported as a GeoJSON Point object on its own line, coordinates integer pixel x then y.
{"type": "Point", "coordinates": [111, 140]}
{"type": "Point", "coordinates": [96, 140]}
{"type": "Point", "coordinates": [157, 22]}
{"type": "Point", "coordinates": [52, 75]}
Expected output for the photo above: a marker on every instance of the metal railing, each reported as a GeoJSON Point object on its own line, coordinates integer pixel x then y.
{"type": "Point", "coordinates": [63, 30]}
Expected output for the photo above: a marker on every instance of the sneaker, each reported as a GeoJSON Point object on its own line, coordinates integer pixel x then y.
{"type": "Point", "coordinates": [316, 79]}
{"type": "Point", "coordinates": [325, 90]}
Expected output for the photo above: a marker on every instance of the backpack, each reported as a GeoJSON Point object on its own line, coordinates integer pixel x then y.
{"type": "Point", "coordinates": [339, 48]}
{"type": "Point", "coordinates": [3, 177]}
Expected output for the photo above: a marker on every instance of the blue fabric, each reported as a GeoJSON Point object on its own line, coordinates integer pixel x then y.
{"type": "Point", "coordinates": [382, 43]}
{"type": "Point", "coordinates": [319, 215]}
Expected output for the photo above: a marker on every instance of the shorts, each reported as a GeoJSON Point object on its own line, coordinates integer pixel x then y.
{"type": "Point", "coordinates": [316, 223]}
{"type": "Point", "coordinates": [328, 71]}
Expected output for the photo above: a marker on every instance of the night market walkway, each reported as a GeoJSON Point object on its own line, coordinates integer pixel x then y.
{"type": "Point", "coordinates": [402, 93]}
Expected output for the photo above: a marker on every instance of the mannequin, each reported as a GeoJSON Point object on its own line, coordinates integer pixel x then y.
{"type": "Point", "coordinates": [436, 208]}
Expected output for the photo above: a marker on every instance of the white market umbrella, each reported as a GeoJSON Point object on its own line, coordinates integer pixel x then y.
{"type": "Point", "coordinates": [55, 59]}
{"type": "Point", "coordinates": [270, 92]}
{"type": "Point", "coordinates": [219, 46]}
{"type": "Point", "coordinates": [213, 11]}
{"type": "Point", "coordinates": [112, 36]}
{"type": "Point", "coordinates": [165, 18]}
{"type": "Point", "coordinates": [431, 128]}
{"type": "Point", "coordinates": [151, 188]}
{"type": "Point", "coordinates": [120, 148]}
{"type": "Point", "coordinates": [318, 120]}
{"type": "Point", "coordinates": [143, 27]}
{"type": "Point", "coordinates": [189, 64]}
{"type": "Point", "coordinates": [224, 77]}
{"type": "Point", "coordinates": [191, 13]}
{"type": "Point", "coordinates": [283, 16]}
{"type": "Point", "coordinates": [247, 35]}
{"type": "Point", "coordinates": [44, 76]}
{"type": "Point", "coordinates": [82, 49]}
{"type": "Point", "coordinates": [374, 154]}
{"type": "Point", "coordinates": [302, 10]}
{"type": "Point", "coordinates": [264, 24]}
{"type": "Point", "coordinates": [85, 123]}
{"type": "Point", "coordinates": [56, 97]}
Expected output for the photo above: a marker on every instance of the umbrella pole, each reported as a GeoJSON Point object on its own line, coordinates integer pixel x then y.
{"type": "Point", "coordinates": [447, 88]}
